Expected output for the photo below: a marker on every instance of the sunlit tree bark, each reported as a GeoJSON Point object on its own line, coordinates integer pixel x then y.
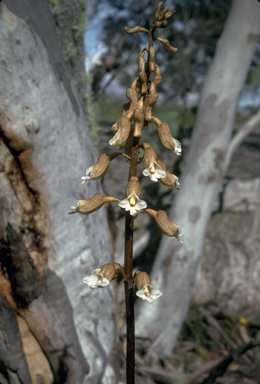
{"type": "Point", "coordinates": [45, 253]}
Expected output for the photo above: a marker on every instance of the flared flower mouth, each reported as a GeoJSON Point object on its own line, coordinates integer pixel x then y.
{"type": "Point", "coordinates": [96, 279]}
{"type": "Point", "coordinates": [89, 175]}
{"type": "Point", "coordinates": [148, 293]}
{"type": "Point", "coordinates": [155, 172]}
{"type": "Point", "coordinates": [133, 204]}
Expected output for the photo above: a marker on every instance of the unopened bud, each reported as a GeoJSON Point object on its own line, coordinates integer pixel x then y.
{"type": "Point", "coordinates": [151, 59]}
{"type": "Point", "coordinates": [161, 24]}
{"type": "Point", "coordinates": [135, 29]}
{"type": "Point", "coordinates": [138, 118]}
{"type": "Point", "coordinates": [124, 126]}
{"type": "Point", "coordinates": [164, 133]}
{"type": "Point", "coordinates": [169, 14]}
{"type": "Point", "coordinates": [162, 13]}
{"type": "Point", "coordinates": [92, 205]}
{"type": "Point", "coordinates": [149, 102]}
{"type": "Point", "coordinates": [127, 147]}
{"type": "Point", "coordinates": [158, 9]}
{"type": "Point", "coordinates": [164, 224]}
{"type": "Point", "coordinates": [167, 45]}
{"type": "Point", "coordinates": [132, 95]}
{"type": "Point", "coordinates": [157, 76]}
{"type": "Point", "coordinates": [169, 180]}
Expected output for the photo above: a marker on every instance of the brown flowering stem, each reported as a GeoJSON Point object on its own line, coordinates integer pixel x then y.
{"type": "Point", "coordinates": [129, 292]}
{"type": "Point", "coordinates": [128, 262]}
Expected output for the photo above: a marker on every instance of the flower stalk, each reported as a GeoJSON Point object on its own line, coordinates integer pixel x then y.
{"type": "Point", "coordinates": [135, 116]}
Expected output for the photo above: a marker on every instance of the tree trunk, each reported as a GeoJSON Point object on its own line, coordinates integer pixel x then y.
{"type": "Point", "coordinates": [175, 267]}
{"type": "Point", "coordinates": [45, 253]}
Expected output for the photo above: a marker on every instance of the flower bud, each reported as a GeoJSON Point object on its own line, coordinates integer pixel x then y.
{"type": "Point", "coordinates": [169, 14]}
{"type": "Point", "coordinates": [135, 29]}
{"type": "Point", "coordinates": [92, 205]}
{"type": "Point", "coordinates": [149, 102]}
{"type": "Point", "coordinates": [167, 45]}
{"type": "Point", "coordinates": [138, 118]}
{"type": "Point", "coordinates": [165, 225]}
{"type": "Point", "coordinates": [127, 147]}
{"type": "Point", "coordinates": [132, 95]}
{"type": "Point", "coordinates": [158, 9]}
{"type": "Point", "coordinates": [151, 59]}
{"type": "Point", "coordinates": [162, 13]}
{"type": "Point", "coordinates": [161, 24]}
{"type": "Point", "coordinates": [124, 126]}
{"type": "Point", "coordinates": [144, 289]}
{"type": "Point", "coordinates": [169, 180]}
{"type": "Point", "coordinates": [164, 133]}
{"type": "Point", "coordinates": [157, 77]}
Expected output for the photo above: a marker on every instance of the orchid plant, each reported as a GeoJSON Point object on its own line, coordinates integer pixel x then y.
{"type": "Point", "coordinates": [136, 115]}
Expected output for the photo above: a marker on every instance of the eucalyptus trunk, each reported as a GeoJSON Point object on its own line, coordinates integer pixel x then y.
{"type": "Point", "coordinates": [44, 145]}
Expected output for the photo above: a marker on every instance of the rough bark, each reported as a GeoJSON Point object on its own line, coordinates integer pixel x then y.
{"type": "Point", "coordinates": [44, 148]}
{"type": "Point", "coordinates": [175, 267]}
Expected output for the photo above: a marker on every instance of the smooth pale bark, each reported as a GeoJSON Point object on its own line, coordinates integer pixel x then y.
{"type": "Point", "coordinates": [44, 149]}
{"type": "Point", "coordinates": [175, 267]}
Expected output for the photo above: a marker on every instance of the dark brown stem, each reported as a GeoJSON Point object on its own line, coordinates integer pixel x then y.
{"type": "Point", "coordinates": [129, 292]}
{"type": "Point", "coordinates": [129, 230]}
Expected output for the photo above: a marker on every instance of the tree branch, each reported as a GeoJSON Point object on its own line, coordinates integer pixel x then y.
{"type": "Point", "coordinates": [221, 368]}
{"type": "Point", "coordinates": [240, 137]}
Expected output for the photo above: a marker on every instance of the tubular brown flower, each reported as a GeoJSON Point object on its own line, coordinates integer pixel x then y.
{"type": "Point", "coordinates": [167, 45]}
{"type": "Point", "coordinates": [169, 180]}
{"type": "Point", "coordinates": [164, 133]}
{"type": "Point", "coordinates": [164, 224]}
{"type": "Point", "coordinates": [97, 170]}
{"type": "Point", "coordinates": [92, 205]}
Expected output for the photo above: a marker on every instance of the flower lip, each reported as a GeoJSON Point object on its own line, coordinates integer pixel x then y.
{"type": "Point", "coordinates": [148, 293]}
{"type": "Point", "coordinates": [89, 175]}
{"type": "Point", "coordinates": [154, 172]}
{"type": "Point", "coordinates": [128, 204]}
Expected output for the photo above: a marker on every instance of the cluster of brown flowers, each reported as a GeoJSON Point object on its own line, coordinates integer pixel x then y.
{"type": "Point", "coordinates": [135, 116]}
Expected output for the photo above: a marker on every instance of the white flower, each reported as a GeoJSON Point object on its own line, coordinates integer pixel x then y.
{"type": "Point", "coordinates": [177, 149]}
{"type": "Point", "coordinates": [89, 175]}
{"type": "Point", "coordinates": [155, 172]}
{"type": "Point", "coordinates": [96, 279]}
{"type": "Point", "coordinates": [148, 293]}
{"type": "Point", "coordinates": [133, 204]}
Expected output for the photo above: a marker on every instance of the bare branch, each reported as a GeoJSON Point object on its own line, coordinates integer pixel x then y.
{"type": "Point", "coordinates": [240, 137]}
